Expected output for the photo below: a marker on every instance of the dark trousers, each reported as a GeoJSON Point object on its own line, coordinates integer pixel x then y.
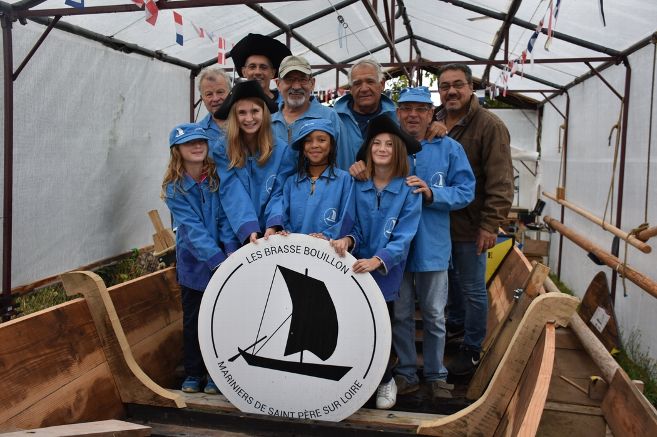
{"type": "Point", "coordinates": [193, 360]}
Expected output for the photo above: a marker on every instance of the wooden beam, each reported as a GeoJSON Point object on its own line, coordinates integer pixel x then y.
{"type": "Point", "coordinates": [644, 282]}
{"type": "Point", "coordinates": [133, 384]}
{"type": "Point", "coordinates": [501, 36]}
{"type": "Point", "coordinates": [634, 241]}
{"type": "Point", "coordinates": [626, 410]}
{"type": "Point", "coordinates": [103, 428]}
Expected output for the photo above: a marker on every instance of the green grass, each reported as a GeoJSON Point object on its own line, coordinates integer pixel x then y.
{"type": "Point", "coordinates": [560, 285]}
{"type": "Point", "coordinates": [639, 365]}
{"type": "Point", "coordinates": [133, 266]}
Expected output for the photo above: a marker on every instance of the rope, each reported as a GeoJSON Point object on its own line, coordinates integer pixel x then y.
{"type": "Point", "coordinates": [652, 100]}
{"type": "Point", "coordinates": [610, 193]}
{"type": "Point", "coordinates": [562, 159]}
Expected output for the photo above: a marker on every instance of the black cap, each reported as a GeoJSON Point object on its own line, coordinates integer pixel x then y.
{"type": "Point", "coordinates": [243, 90]}
{"type": "Point", "coordinates": [256, 44]}
{"type": "Point", "coordinates": [384, 124]}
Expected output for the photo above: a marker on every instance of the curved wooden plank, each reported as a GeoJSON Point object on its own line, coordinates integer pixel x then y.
{"type": "Point", "coordinates": [133, 384]}
{"type": "Point", "coordinates": [483, 416]}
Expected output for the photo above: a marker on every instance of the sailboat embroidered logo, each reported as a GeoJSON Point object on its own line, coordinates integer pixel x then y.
{"type": "Point", "coordinates": [287, 329]}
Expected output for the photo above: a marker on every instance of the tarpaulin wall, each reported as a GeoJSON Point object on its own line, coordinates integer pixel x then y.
{"type": "Point", "coordinates": [594, 110]}
{"type": "Point", "coordinates": [91, 132]}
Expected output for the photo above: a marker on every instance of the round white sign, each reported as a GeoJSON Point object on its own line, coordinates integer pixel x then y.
{"type": "Point", "coordinates": [287, 329]}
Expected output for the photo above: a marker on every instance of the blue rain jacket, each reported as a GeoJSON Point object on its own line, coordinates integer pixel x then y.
{"type": "Point", "coordinates": [247, 191]}
{"type": "Point", "coordinates": [329, 209]}
{"type": "Point", "coordinates": [202, 231]}
{"type": "Point", "coordinates": [386, 222]}
{"type": "Point", "coordinates": [444, 166]}
{"type": "Point", "coordinates": [352, 137]}
{"type": "Point", "coordinates": [287, 132]}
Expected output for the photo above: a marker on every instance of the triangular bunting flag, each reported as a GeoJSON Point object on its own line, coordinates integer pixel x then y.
{"type": "Point", "coordinates": [76, 4]}
{"type": "Point", "coordinates": [151, 12]}
{"type": "Point", "coordinates": [177, 19]}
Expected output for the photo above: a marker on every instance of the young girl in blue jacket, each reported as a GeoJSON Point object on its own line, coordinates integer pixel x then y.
{"type": "Point", "coordinates": [317, 200]}
{"type": "Point", "coordinates": [387, 217]}
{"type": "Point", "coordinates": [252, 163]}
{"type": "Point", "coordinates": [190, 190]}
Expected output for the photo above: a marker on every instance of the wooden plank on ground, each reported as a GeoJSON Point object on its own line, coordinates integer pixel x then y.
{"type": "Point", "coordinates": [577, 366]}
{"type": "Point", "coordinates": [483, 416]}
{"type": "Point", "coordinates": [505, 331]}
{"type": "Point", "coordinates": [364, 416]}
{"type": "Point", "coordinates": [133, 384]}
{"type": "Point", "coordinates": [626, 410]}
{"type": "Point", "coordinates": [103, 428]}
{"type": "Point", "coordinates": [566, 420]}
{"type": "Point", "coordinates": [45, 352]}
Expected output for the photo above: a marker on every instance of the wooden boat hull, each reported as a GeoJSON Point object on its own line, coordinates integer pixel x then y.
{"type": "Point", "coordinates": [59, 368]}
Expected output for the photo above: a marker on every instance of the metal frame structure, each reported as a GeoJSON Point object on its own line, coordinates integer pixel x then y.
{"type": "Point", "coordinates": [22, 10]}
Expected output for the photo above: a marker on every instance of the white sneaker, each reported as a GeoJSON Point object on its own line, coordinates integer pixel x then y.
{"type": "Point", "coordinates": [386, 395]}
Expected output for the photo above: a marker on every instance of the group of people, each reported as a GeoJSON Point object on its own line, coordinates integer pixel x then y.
{"type": "Point", "coordinates": [416, 194]}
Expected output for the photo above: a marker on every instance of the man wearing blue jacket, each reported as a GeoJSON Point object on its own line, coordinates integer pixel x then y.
{"type": "Point", "coordinates": [356, 109]}
{"type": "Point", "coordinates": [442, 174]}
{"type": "Point", "coordinates": [295, 85]}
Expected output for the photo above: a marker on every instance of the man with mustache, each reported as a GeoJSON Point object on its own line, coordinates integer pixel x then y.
{"type": "Point", "coordinates": [486, 142]}
{"type": "Point", "coordinates": [257, 57]}
{"type": "Point", "coordinates": [295, 86]}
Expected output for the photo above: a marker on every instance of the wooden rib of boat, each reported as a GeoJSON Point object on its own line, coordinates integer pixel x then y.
{"type": "Point", "coordinates": [112, 354]}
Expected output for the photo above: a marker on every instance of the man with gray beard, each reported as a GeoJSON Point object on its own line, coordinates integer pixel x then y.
{"type": "Point", "coordinates": [296, 85]}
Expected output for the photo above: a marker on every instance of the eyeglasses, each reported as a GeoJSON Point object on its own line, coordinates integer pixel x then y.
{"type": "Point", "coordinates": [418, 109]}
{"type": "Point", "coordinates": [456, 85]}
{"type": "Point", "coordinates": [302, 80]}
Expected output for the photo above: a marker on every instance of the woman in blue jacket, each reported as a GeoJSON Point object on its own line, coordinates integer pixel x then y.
{"type": "Point", "coordinates": [190, 190]}
{"type": "Point", "coordinates": [317, 200]}
{"type": "Point", "coordinates": [387, 217]}
{"type": "Point", "coordinates": [252, 164]}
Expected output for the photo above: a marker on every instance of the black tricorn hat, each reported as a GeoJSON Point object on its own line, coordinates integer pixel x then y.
{"type": "Point", "coordinates": [243, 90]}
{"type": "Point", "coordinates": [256, 44]}
{"type": "Point", "coordinates": [384, 124]}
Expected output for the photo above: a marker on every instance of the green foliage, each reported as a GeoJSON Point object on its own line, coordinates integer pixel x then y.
{"type": "Point", "coordinates": [639, 365]}
{"type": "Point", "coordinates": [396, 85]}
{"type": "Point", "coordinates": [43, 298]}
{"type": "Point", "coordinates": [560, 285]}
{"type": "Point", "coordinates": [133, 266]}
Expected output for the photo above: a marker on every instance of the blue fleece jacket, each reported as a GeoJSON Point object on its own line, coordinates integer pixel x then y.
{"type": "Point", "coordinates": [249, 189]}
{"type": "Point", "coordinates": [202, 231]}
{"type": "Point", "coordinates": [385, 225]}
{"type": "Point", "coordinates": [352, 137]}
{"type": "Point", "coordinates": [444, 166]}
{"type": "Point", "coordinates": [328, 208]}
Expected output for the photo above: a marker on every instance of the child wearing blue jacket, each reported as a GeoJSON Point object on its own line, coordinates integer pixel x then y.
{"type": "Point", "coordinates": [251, 163]}
{"type": "Point", "coordinates": [190, 190]}
{"type": "Point", "coordinates": [387, 217]}
{"type": "Point", "coordinates": [318, 200]}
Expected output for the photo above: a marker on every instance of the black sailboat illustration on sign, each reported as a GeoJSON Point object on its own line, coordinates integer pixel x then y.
{"type": "Point", "coordinates": [314, 327]}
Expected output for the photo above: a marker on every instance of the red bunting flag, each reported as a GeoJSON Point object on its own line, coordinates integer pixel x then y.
{"type": "Point", "coordinates": [199, 30]}
{"type": "Point", "coordinates": [151, 12]}
{"type": "Point", "coordinates": [221, 45]}
{"type": "Point", "coordinates": [139, 3]}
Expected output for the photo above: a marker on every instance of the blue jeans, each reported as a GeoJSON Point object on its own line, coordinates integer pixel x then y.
{"type": "Point", "coordinates": [431, 291]}
{"type": "Point", "coordinates": [468, 297]}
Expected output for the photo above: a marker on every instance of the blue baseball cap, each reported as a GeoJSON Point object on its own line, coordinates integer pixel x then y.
{"type": "Point", "coordinates": [420, 94]}
{"type": "Point", "coordinates": [186, 132]}
{"type": "Point", "coordinates": [310, 126]}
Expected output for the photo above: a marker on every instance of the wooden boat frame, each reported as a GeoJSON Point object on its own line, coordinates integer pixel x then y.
{"type": "Point", "coordinates": [113, 351]}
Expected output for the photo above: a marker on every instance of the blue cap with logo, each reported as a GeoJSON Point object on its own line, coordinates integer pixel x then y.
{"type": "Point", "coordinates": [186, 132]}
{"type": "Point", "coordinates": [420, 94]}
{"type": "Point", "coordinates": [310, 126]}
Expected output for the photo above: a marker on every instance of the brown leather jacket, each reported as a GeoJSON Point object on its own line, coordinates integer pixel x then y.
{"type": "Point", "coordinates": [486, 141]}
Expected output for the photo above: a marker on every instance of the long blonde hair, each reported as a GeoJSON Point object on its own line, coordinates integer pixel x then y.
{"type": "Point", "coordinates": [235, 147]}
{"type": "Point", "coordinates": [400, 167]}
{"type": "Point", "coordinates": [175, 172]}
